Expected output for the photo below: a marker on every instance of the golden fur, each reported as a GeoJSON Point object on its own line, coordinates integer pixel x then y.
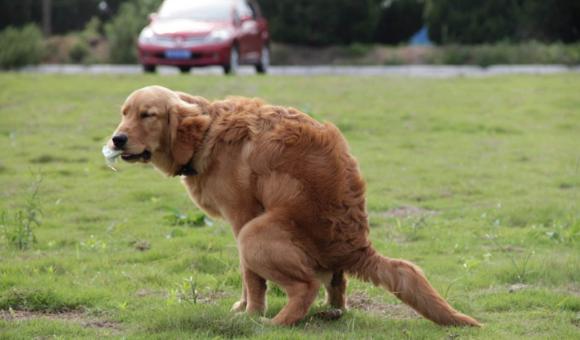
{"type": "Point", "coordinates": [290, 189]}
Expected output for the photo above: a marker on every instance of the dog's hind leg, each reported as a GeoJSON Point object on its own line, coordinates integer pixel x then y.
{"type": "Point", "coordinates": [267, 250]}
{"type": "Point", "coordinates": [335, 284]}
{"type": "Point", "coordinates": [300, 296]}
{"type": "Point", "coordinates": [336, 290]}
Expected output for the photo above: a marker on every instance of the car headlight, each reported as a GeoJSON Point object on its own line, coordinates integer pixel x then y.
{"type": "Point", "coordinates": [219, 35]}
{"type": "Point", "coordinates": [148, 37]}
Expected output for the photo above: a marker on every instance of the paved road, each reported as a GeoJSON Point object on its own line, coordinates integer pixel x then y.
{"type": "Point", "coordinates": [408, 70]}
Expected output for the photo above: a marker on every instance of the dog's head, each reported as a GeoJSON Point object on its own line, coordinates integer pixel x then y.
{"type": "Point", "coordinates": [158, 125]}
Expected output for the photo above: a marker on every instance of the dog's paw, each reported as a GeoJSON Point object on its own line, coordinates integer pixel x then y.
{"type": "Point", "coordinates": [239, 307]}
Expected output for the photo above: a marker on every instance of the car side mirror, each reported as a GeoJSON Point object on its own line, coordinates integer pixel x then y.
{"type": "Point", "coordinates": [153, 17]}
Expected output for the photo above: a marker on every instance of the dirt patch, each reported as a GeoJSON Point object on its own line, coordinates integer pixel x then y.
{"type": "Point", "coordinates": [142, 245]}
{"type": "Point", "coordinates": [144, 292]}
{"type": "Point", "coordinates": [517, 287]}
{"type": "Point", "coordinates": [363, 302]}
{"type": "Point", "coordinates": [573, 289]}
{"type": "Point", "coordinates": [212, 297]}
{"type": "Point", "coordinates": [75, 316]}
{"type": "Point", "coordinates": [409, 211]}
{"type": "Point", "coordinates": [42, 159]}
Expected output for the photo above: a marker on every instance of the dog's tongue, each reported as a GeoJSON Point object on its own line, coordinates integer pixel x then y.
{"type": "Point", "coordinates": [110, 156]}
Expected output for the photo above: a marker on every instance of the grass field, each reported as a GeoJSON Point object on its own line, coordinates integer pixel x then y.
{"type": "Point", "coordinates": [475, 180]}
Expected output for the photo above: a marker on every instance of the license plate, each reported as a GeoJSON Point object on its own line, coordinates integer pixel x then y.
{"type": "Point", "coordinates": [178, 54]}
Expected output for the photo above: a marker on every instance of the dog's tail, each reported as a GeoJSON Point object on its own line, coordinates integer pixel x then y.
{"type": "Point", "coordinates": [408, 283]}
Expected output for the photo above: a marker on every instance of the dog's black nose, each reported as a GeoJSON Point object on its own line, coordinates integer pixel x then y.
{"type": "Point", "coordinates": [120, 140]}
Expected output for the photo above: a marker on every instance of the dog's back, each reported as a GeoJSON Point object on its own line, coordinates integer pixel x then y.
{"type": "Point", "coordinates": [307, 217]}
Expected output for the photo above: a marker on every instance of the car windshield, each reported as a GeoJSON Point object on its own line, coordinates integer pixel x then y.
{"type": "Point", "coordinates": [213, 10]}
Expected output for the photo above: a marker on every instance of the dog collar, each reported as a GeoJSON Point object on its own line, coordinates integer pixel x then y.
{"type": "Point", "coordinates": [186, 170]}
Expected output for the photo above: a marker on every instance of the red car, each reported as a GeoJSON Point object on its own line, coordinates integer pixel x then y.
{"type": "Point", "coordinates": [189, 33]}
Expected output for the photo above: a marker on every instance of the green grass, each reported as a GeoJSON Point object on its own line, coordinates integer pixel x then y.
{"type": "Point", "coordinates": [497, 159]}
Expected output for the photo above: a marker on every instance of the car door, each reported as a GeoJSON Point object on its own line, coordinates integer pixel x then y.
{"type": "Point", "coordinates": [249, 37]}
{"type": "Point", "coordinates": [262, 36]}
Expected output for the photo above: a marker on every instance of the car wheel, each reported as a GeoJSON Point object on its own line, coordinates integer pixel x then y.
{"type": "Point", "coordinates": [184, 69]}
{"type": "Point", "coordinates": [264, 64]}
{"type": "Point", "coordinates": [149, 68]}
{"type": "Point", "coordinates": [232, 67]}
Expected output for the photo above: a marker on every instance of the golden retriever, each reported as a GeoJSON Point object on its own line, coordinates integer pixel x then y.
{"type": "Point", "coordinates": [288, 186]}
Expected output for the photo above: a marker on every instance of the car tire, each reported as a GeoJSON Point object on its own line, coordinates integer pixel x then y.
{"type": "Point", "coordinates": [233, 65]}
{"type": "Point", "coordinates": [264, 63]}
{"type": "Point", "coordinates": [149, 68]}
{"type": "Point", "coordinates": [184, 69]}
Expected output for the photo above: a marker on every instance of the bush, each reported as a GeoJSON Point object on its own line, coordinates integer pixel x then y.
{"type": "Point", "coordinates": [79, 51]}
{"type": "Point", "coordinates": [82, 51]}
{"type": "Point", "coordinates": [123, 31]}
{"type": "Point", "coordinates": [20, 47]}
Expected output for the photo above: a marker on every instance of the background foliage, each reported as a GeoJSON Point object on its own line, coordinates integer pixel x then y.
{"type": "Point", "coordinates": [67, 15]}
{"type": "Point", "coordinates": [20, 47]}
{"type": "Point", "coordinates": [322, 22]}
{"type": "Point", "coordinates": [124, 29]}
{"type": "Point", "coordinates": [325, 22]}
{"type": "Point", "coordinates": [475, 22]}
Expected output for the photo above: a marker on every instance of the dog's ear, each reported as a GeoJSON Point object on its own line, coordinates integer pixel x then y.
{"type": "Point", "coordinates": [197, 100]}
{"type": "Point", "coordinates": [187, 126]}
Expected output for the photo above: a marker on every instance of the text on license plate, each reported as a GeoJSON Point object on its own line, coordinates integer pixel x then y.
{"type": "Point", "coordinates": [178, 54]}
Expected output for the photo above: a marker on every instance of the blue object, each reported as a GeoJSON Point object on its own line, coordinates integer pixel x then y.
{"type": "Point", "coordinates": [421, 38]}
{"type": "Point", "coordinates": [178, 54]}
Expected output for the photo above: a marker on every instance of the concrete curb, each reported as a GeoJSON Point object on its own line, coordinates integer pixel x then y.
{"type": "Point", "coordinates": [428, 71]}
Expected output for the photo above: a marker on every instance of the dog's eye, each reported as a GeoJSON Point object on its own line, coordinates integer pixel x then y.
{"type": "Point", "coordinates": [146, 114]}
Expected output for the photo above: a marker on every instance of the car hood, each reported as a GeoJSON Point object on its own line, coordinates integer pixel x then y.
{"type": "Point", "coordinates": [184, 26]}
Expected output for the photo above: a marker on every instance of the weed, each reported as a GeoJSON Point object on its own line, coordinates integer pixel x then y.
{"type": "Point", "coordinates": [19, 228]}
{"type": "Point", "coordinates": [185, 292]}
{"type": "Point", "coordinates": [520, 265]}
{"type": "Point", "coordinates": [177, 218]}
{"type": "Point", "coordinates": [412, 227]}
{"type": "Point", "coordinates": [93, 244]}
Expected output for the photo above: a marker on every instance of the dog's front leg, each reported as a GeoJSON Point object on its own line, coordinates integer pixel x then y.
{"type": "Point", "coordinates": [240, 306]}
{"type": "Point", "coordinates": [253, 298]}
{"type": "Point", "coordinates": [255, 289]}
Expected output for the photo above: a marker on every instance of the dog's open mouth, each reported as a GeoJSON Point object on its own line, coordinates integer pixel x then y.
{"type": "Point", "coordinates": [143, 156]}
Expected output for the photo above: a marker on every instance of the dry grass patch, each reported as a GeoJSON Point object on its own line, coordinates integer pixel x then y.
{"type": "Point", "coordinates": [74, 316]}
{"type": "Point", "coordinates": [363, 302]}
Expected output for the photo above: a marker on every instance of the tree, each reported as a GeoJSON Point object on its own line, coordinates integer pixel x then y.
{"type": "Point", "coordinates": [66, 15]}
{"type": "Point", "coordinates": [124, 29]}
{"type": "Point", "coordinates": [322, 22]}
{"type": "Point", "coordinates": [399, 20]}
{"type": "Point", "coordinates": [475, 22]}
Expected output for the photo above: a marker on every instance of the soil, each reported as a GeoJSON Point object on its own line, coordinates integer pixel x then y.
{"type": "Point", "coordinates": [75, 316]}
{"type": "Point", "coordinates": [361, 301]}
